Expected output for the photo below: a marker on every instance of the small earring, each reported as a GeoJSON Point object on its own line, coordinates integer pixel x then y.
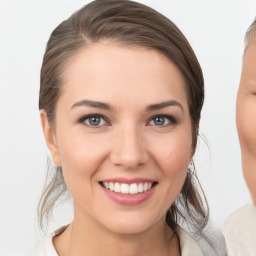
{"type": "Point", "coordinates": [191, 167]}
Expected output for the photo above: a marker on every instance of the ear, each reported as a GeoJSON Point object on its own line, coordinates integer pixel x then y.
{"type": "Point", "coordinates": [50, 138]}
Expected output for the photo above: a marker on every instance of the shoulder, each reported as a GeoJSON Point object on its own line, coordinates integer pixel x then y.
{"type": "Point", "coordinates": [188, 245]}
{"type": "Point", "coordinates": [46, 248]}
{"type": "Point", "coordinates": [239, 230]}
{"type": "Point", "coordinates": [244, 218]}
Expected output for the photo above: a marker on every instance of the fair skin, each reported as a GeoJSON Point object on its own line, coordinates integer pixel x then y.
{"type": "Point", "coordinates": [246, 117]}
{"type": "Point", "coordinates": [138, 131]}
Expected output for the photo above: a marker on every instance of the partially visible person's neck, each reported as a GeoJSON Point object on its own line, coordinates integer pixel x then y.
{"type": "Point", "coordinates": [85, 237]}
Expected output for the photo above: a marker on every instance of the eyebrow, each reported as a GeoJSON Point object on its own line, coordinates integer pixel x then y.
{"type": "Point", "coordinates": [90, 103]}
{"type": "Point", "coordinates": [164, 105]}
{"type": "Point", "coordinates": [102, 105]}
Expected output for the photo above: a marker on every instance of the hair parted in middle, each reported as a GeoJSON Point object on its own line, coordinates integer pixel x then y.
{"type": "Point", "coordinates": [127, 23]}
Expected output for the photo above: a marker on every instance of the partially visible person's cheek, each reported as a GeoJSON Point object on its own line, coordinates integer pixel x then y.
{"type": "Point", "coordinates": [246, 127]}
{"type": "Point", "coordinates": [246, 124]}
{"type": "Point", "coordinates": [249, 172]}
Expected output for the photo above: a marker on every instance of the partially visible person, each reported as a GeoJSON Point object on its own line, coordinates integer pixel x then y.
{"type": "Point", "coordinates": [240, 227]}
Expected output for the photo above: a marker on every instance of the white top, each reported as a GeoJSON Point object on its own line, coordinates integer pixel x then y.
{"type": "Point", "coordinates": [188, 245]}
{"type": "Point", "coordinates": [239, 231]}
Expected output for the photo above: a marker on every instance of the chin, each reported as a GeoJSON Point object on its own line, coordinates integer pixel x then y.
{"type": "Point", "coordinates": [132, 224]}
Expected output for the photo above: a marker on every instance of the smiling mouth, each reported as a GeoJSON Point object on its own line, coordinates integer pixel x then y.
{"type": "Point", "coordinates": [128, 189]}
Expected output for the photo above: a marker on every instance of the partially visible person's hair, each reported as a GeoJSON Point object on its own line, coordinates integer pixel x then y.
{"type": "Point", "coordinates": [130, 24]}
{"type": "Point", "coordinates": [250, 33]}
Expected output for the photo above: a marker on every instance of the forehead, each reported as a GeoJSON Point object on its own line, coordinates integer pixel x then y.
{"type": "Point", "coordinates": [128, 72]}
{"type": "Point", "coordinates": [96, 55]}
{"type": "Point", "coordinates": [249, 59]}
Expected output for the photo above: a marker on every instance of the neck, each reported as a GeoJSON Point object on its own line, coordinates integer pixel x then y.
{"type": "Point", "coordinates": [95, 242]}
{"type": "Point", "coordinates": [85, 237]}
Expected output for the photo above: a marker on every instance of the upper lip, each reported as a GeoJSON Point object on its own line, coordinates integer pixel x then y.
{"type": "Point", "coordinates": [128, 180]}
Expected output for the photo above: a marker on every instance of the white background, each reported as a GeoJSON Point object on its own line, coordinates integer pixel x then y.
{"type": "Point", "coordinates": [215, 30]}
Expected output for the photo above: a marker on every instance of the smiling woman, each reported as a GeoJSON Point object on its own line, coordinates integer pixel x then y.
{"type": "Point", "coordinates": [120, 101]}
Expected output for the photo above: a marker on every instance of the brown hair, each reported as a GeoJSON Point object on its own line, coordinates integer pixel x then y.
{"type": "Point", "coordinates": [129, 23]}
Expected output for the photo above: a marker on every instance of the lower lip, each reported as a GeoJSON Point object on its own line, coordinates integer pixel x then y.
{"type": "Point", "coordinates": [128, 199]}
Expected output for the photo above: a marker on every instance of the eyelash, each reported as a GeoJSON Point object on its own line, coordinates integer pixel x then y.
{"type": "Point", "coordinates": [172, 120]}
{"type": "Point", "coordinates": [84, 118]}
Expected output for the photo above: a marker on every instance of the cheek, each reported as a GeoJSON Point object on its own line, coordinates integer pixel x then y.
{"type": "Point", "coordinates": [81, 157]}
{"type": "Point", "coordinates": [174, 155]}
{"type": "Point", "coordinates": [249, 170]}
{"type": "Point", "coordinates": [246, 125]}
{"type": "Point", "coordinates": [174, 166]}
{"type": "Point", "coordinates": [175, 149]}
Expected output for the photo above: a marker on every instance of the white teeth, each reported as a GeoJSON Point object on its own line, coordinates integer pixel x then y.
{"type": "Point", "coordinates": [106, 184]}
{"type": "Point", "coordinates": [117, 188]}
{"type": "Point", "coordinates": [111, 186]}
{"type": "Point", "coordinates": [140, 188]}
{"type": "Point", "coordinates": [133, 188]}
{"type": "Point", "coordinates": [124, 188]}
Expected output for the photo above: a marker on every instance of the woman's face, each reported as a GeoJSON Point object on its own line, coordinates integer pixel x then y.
{"type": "Point", "coordinates": [122, 123]}
{"type": "Point", "coordinates": [246, 117]}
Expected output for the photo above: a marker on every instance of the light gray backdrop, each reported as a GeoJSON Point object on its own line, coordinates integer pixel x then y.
{"type": "Point", "coordinates": [215, 30]}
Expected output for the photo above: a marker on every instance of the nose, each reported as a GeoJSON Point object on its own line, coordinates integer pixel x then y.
{"type": "Point", "coordinates": [129, 149]}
